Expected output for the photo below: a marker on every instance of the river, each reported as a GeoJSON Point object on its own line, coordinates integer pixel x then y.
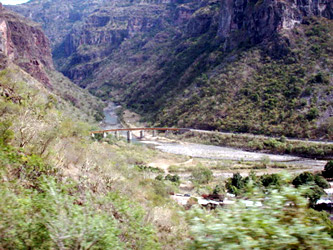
{"type": "Point", "coordinates": [209, 151]}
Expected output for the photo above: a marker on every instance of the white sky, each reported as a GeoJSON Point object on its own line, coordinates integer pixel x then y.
{"type": "Point", "coordinates": [13, 1]}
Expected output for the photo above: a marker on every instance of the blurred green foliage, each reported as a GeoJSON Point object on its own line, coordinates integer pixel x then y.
{"type": "Point", "coordinates": [283, 221]}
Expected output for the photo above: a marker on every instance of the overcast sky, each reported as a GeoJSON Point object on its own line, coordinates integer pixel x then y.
{"type": "Point", "coordinates": [13, 1]}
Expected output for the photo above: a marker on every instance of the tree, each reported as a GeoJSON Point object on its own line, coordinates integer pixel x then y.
{"type": "Point", "coordinates": [235, 184]}
{"type": "Point", "coordinates": [328, 170]}
{"type": "Point", "coordinates": [314, 194]}
{"type": "Point", "coordinates": [317, 184]}
{"type": "Point", "coordinates": [237, 181]}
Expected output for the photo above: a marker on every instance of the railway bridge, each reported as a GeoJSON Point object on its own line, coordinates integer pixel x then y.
{"type": "Point", "coordinates": [129, 131]}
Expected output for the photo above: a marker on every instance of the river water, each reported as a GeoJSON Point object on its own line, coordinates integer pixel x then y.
{"type": "Point", "coordinates": [111, 120]}
{"type": "Point", "coordinates": [209, 151]}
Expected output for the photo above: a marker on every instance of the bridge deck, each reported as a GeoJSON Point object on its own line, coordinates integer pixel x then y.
{"type": "Point", "coordinates": [135, 129]}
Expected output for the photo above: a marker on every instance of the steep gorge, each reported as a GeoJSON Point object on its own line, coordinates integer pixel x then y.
{"type": "Point", "coordinates": [248, 66]}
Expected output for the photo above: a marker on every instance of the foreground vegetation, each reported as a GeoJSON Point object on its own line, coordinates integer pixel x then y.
{"type": "Point", "coordinates": [62, 190]}
{"type": "Point", "coordinates": [282, 222]}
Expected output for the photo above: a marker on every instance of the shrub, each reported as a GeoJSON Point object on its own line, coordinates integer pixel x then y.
{"type": "Point", "coordinates": [328, 170]}
{"type": "Point", "coordinates": [321, 182]}
{"type": "Point", "coordinates": [201, 175]}
{"type": "Point", "coordinates": [312, 114]}
{"type": "Point", "coordinates": [52, 220]}
{"type": "Point", "coordinates": [237, 181]}
{"type": "Point", "coordinates": [144, 168]}
{"type": "Point", "coordinates": [303, 178]}
{"type": "Point", "coordinates": [159, 177]}
{"type": "Point", "coordinates": [58, 219]}
{"type": "Point", "coordinates": [271, 180]}
{"type": "Point", "coordinates": [235, 184]}
{"type": "Point", "coordinates": [314, 194]}
{"type": "Point", "coordinates": [217, 190]}
{"type": "Point", "coordinates": [173, 178]}
{"type": "Point", "coordinates": [6, 134]}
{"type": "Point", "coordinates": [173, 168]}
{"type": "Point", "coordinates": [317, 184]}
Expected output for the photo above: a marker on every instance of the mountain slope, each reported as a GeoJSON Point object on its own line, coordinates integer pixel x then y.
{"type": "Point", "coordinates": [59, 188]}
{"type": "Point", "coordinates": [248, 66]}
{"type": "Point", "coordinates": [32, 54]}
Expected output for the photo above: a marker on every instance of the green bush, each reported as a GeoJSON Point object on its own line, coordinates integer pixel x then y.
{"type": "Point", "coordinates": [173, 178]}
{"type": "Point", "coordinates": [312, 114]}
{"type": "Point", "coordinates": [52, 220]}
{"type": "Point", "coordinates": [235, 184]}
{"type": "Point", "coordinates": [201, 175]}
{"type": "Point", "coordinates": [314, 194]}
{"type": "Point", "coordinates": [6, 134]}
{"type": "Point", "coordinates": [303, 178]}
{"type": "Point", "coordinates": [57, 219]}
{"type": "Point", "coordinates": [144, 168]}
{"type": "Point", "coordinates": [321, 182]}
{"type": "Point", "coordinates": [328, 170]}
{"type": "Point", "coordinates": [271, 180]}
{"type": "Point", "coordinates": [281, 223]}
{"type": "Point", "coordinates": [159, 177]}
{"type": "Point", "coordinates": [316, 183]}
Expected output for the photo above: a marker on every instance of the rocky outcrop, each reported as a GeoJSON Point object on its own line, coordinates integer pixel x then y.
{"type": "Point", "coordinates": [95, 38]}
{"type": "Point", "coordinates": [59, 17]}
{"type": "Point", "coordinates": [253, 21]}
{"type": "Point", "coordinates": [24, 43]}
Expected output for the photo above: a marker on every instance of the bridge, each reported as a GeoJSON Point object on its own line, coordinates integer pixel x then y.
{"type": "Point", "coordinates": [142, 131]}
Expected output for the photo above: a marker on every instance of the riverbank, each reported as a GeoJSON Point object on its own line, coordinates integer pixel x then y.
{"type": "Point", "coordinates": [281, 146]}
{"type": "Point", "coordinates": [248, 142]}
{"type": "Point", "coordinates": [203, 148]}
{"type": "Point", "coordinates": [180, 155]}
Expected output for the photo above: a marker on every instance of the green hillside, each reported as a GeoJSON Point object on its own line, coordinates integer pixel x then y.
{"type": "Point", "coordinates": [60, 189]}
{"type": "Point", "coordinates": [270, 90]}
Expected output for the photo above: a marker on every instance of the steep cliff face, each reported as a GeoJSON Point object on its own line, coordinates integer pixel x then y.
{"type": "Point", "coordinates": [217, 64]}
{"type": "Point", "coordinates": [253, 21]}
{"type": "Point", "coordinates": [84, 33]}
{"type": "Point", "coordinates": [58, 17]}
{"type": "Point", "coordinates": [31, 52]}
{"type": "Point", "coordinates": [91, 41]}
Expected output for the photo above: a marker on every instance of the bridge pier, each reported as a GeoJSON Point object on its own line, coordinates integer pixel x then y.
{"type": "Point", "coordinates": [93, 135]}
{"type": "Point", "coordinates": [105, 135]}
{"type": "Point", "coordinates": [129, 136]}
{"type": "Point", "coordinates": [167, 133]}
{"type": "Point", "coordinates": [116, 134]}
{"type": "Point", "coordinates": [142, 134]}
{"type": "Point", "coordinates": [154, 133]}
